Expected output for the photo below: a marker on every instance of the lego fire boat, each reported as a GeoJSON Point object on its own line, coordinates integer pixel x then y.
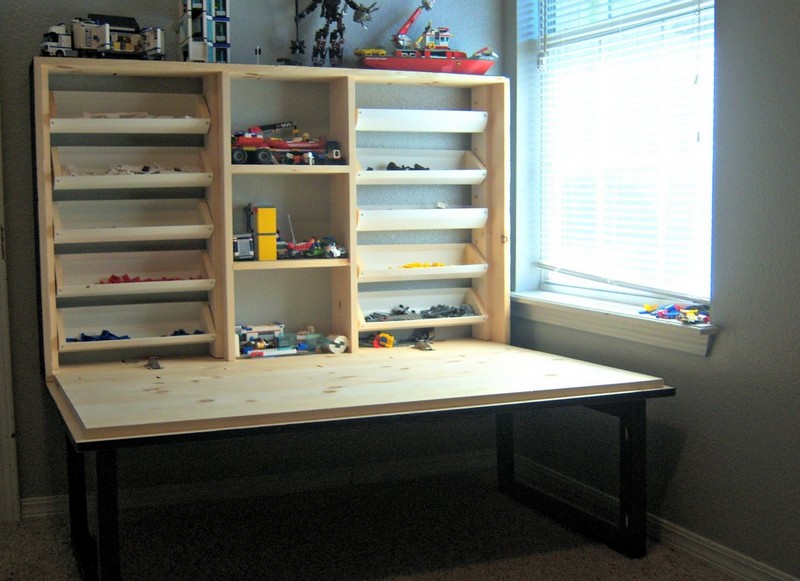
{"type": "Point", "coordinates": [431, 52]}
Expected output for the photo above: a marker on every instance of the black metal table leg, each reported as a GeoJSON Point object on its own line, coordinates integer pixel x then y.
{"type": "Point", "coordinates": [505, 451]}
{"type": "Point", "coordinates": [78, 516]}
{"type": "Point", "coordinates": [108, 560]}
{"type": "Point", "coordinates": [633, 479]}
{"type": "Point", "coordinates": [629, 534]}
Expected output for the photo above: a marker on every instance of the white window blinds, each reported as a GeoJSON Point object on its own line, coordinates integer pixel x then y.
{"type": "Point", "coordinates": [626, 142]}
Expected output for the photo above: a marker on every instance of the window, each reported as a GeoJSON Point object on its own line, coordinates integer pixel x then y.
{"type": "Point", "coordinates": [623, 118]}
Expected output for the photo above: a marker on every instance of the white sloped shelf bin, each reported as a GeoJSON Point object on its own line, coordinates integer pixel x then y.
{"type": "Point", "coordinates": [76, 222]}
{"type": "Point", "coordinates": [446, 167]}
{"type": "Point", "coordinates": [87, 275]}
{"type": "Point", "coordinates": [147, 325]}
{"type": "Point", "coordinates": [419, 300]}
{"type": "Point", "coordinates": [421, 120]}
{"type": "Point", "coordinates": [410, 262]}
{"type": "Point", "coordinates": [87, 168]}
{"type": "Point", "coordinates": [388, 218]}
{"type": "Point", "coordinates": [117, 112]}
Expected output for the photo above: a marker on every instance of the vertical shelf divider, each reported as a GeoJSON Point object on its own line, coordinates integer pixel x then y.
{"type": "Point", "coordinates": [343, 208]}
{"type": "Point", "coordinates": [220, 86]}
{"type": "Point", "coordinates": [494, 241]}
{"type": "Point", "coordinates": [217, 90]}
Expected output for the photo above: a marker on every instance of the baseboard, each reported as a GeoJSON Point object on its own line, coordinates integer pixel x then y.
{"type": "Point", "coordinates": [660, 530]}
{"type": "Point", "coordinates": [269, 485]}
{"type": "Point", "coordinates": [530, 472]}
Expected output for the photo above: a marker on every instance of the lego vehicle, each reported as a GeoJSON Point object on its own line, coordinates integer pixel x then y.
{"type": "Point", "coordinates": [260, 145]}
{"type": "Point", "coordinates": [309, 248]}
{"type": "Point", "coordinates": [101, 35]}
{"type": "Point", "coordinates": [431, 52]}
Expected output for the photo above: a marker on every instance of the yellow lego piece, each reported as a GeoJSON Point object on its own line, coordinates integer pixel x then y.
{"type": "Point", "coordinates": [265, 219]}
{"type": "Point", "coordinates": [266, 246]}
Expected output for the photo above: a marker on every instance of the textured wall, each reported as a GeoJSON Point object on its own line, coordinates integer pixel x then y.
{"type": "Point", "coordinates": [725, 451]}
{"type": "Point", "coordinates": [266, 23]}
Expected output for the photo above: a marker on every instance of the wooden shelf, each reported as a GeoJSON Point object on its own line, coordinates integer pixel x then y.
{"type": "Point", "coordinates": [76, 222]}
{"type": "Point", "coordinates": [446, 167]}
{"type": "Point", "coordinates": [412, 262]}
{"type": "Point", "coordinates": [92, 116]}
{"type": "Point", "coordinates": [421, 120]}
{"type": "Point", "coordinates": [89, 168]}
{"type": "Point", "coordinates": [388, 218]}
{"type": "Point", "coordinates": [291, 264]}
{"type": "Point", "coordinates": [116, 112]}
{"type": "Point", "coordinates": [419, 300]}
{"type": "Point", "coordinates": [280, 169]}
{"type": "Point", "coordinates": [147, 325]}
{"type": "Point", "coordinates": [84, 275]}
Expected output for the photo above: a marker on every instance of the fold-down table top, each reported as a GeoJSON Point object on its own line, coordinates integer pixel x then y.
{"type": "Point", "coordinates": [114, 401]}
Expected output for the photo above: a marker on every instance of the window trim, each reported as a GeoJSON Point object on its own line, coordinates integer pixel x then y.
{"type": "Point", "coordinates": [612, 319]}
{"type": "Point", "coordinates": [602, 317]}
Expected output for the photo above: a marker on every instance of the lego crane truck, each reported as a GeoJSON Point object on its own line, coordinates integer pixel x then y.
{"type": "Point", "coordinates": [101, 35]}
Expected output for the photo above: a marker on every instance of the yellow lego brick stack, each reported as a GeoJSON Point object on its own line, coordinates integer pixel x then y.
{"type": "Point", "coordinates": [264, 223]}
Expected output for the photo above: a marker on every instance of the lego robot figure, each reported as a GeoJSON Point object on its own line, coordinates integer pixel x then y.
{"type": "Point", "coordinates": [331, 42]}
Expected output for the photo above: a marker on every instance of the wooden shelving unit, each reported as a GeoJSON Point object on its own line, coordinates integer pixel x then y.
{"type": "Point", "coordinates": [135, 181]}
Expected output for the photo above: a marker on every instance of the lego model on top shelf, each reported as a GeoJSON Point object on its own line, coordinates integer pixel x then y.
{"type": "Point", "coordinates": [102, 35]}
{"type": "Point", "coordinates": [124, 273]}
{"type": "Point", "coordinates": [430, 52]}
{"type": "Point", "coordinates": [100, 328]}
{"type": "Point", "coordinates": [204, 33]}
{"type": "Point", "coordinates": [439, 307]}
{"type": "Point", "coordinates": [102, 112]}
{"type": "Point", "coordinates": [91, 167]}
{"type": "Point", "coordinates": [412, 262]}
{"type": "Point", "coordinates": [328, 44]}
{"type": "Point", "coordinates": [102, 221]}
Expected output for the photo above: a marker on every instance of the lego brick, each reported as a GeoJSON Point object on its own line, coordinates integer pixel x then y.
{"type": "Point", "coordinates": [264, 219]}
{"type": "Point", "coordinates": [266, 246]}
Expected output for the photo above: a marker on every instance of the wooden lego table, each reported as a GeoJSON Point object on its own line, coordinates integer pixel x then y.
{"type": "Point", "coordinates": [106, 407]}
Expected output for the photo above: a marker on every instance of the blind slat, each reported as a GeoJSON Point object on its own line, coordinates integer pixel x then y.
{"type": "Point", "coordinates": [626, 142]}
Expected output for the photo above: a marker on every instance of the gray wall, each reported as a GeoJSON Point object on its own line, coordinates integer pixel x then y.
{"type": "Point", "coordinates": [270, 25]}
{"type": "Point", "coordinates": [724, 452]}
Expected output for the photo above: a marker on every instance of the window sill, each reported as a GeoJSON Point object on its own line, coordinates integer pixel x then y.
{"type": "Point", "coordinates": [612, 320]}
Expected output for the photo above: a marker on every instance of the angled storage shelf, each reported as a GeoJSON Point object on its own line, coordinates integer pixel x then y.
{"type": "Point", "coordinates": [411, 262]}
{"type": "Point", "coordinates": [76, 222]}
{"type": "Point", "coordinates": [89, 167]}
{"type": "Point", "coordinates": [421, 120]}
{"type": "Point", "coordinates": [282, 169]}
{"type": "Point", "coordinates": [387, 218]}
{"type": "Point", "coordinates": [124, 273]}
{"type": "Point", "coordinates": [375, 306]}
{"type": "Point", "coordinates": [141, 209]}
{"type": "Point", "coordinates": [145, 325]}
{"type": "Point", "coordinates": [291, 264]}
{"type": "Point", "coordinates": [117, 112]}
{"type": "Point", "coordinates": [445, 167]}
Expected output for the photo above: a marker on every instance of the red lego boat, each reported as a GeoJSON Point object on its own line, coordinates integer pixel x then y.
{"type": "Point", "coordinates": [430, 53]}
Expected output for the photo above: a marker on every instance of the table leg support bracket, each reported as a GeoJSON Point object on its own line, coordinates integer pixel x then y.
{"type": "Point", "coordinates": [628, 535]}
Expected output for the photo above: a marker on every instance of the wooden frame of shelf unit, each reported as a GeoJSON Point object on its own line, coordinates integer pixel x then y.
{"type": "Point", "coordinates": [489, 114]}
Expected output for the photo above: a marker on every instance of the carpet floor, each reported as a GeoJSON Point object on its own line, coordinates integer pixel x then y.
{"type": "Point", "coordinates": [452, 528]}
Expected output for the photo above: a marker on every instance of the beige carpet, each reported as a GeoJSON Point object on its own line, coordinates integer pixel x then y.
{"type": "Point", "coordinates": [453, 528]}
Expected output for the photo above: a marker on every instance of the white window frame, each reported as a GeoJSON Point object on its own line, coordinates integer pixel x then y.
{"type": "Point", "coordinates": [605, 310]}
